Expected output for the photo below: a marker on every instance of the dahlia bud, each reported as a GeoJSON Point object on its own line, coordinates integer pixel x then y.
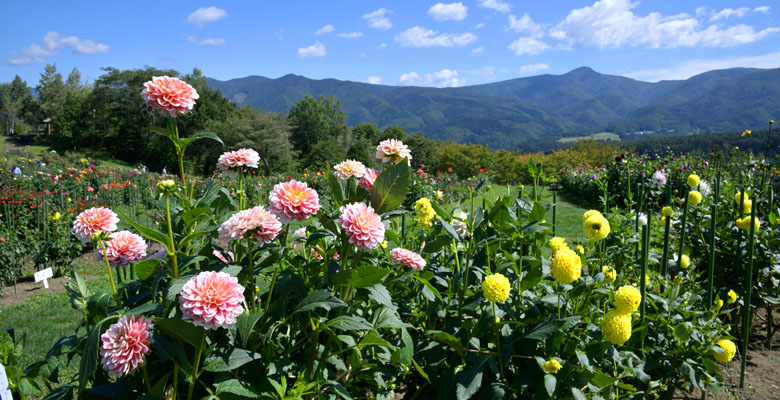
{"type": "Point", "coordinates": [166, 186]}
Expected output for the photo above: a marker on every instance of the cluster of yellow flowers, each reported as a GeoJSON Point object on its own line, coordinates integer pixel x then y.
{"type": "Point", "coordinates": [617, 323]}
{"type": "Point", "coordinates": [425, 212]}
{"type": "Point", "coordinates": [747, 204]}
{"type": "Point", "coordinates": [557, 243]}
{"type": "Point", "coordinates": [566, 266]}
{"type": "Point", "coordinates": [496, 288]}
{"type": "Point", "coordinates": [595, 225]}
{"type": "Point", "coordinates": [744, 224]}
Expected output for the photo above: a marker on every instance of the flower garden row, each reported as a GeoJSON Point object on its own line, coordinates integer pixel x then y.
{"type": "Point", "coordinates": [337, 291]}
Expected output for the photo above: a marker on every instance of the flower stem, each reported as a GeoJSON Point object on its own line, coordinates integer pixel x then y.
{"type": "Point", "coordinates": [196, 365]}
{"type": "Point", "coordinates": [146, 379]}
{"type": "Point", "coordinates": [110, 275]}
{"type": "Point", "coordinates": [271, 289]}
{"type": "Point", "coordinates": [251, 266]}
{"type": "Point", "coordinates": [175, 263]}
{"type": "Point", "coordinates": [498, 345]}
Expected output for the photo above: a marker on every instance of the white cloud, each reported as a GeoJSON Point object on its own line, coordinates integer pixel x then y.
{"type": "Point", "coordinates": [374, 80]}
{"type": "Point", "coordinates": [315, 50]}
{"type": "Point", "coordinates": [381, 46]}
{"type": "Point", "coordinates": [448, 12]}
{"type": "Point", "coordinates": [689, 68]}
{"type": "Point", "coordinates": [408, 78]}
{"type": "Point", "coordinates": [424, 37]}
{"type": "Point", "coordinates": [377, 19]}
{"type": "Point", "coordinates": [530, 69]}
{"type": "Point", "coordinates": [50, 46]}
{"type": "Point", "coordinates": [350, 35]}
{"type": "Point", "coordinates": [325, 29]}
{"type": "Point", "coordinates": [444, 78]}
{"type": "Point", "coordinates": [497, 5]}
{"type": "Point", "coordinates": [729, 12]}
{"type": "Point", "coordinates": [761, 9]}
{"type": "Point", "coordinates": [478, 50]}
{"type": "Point", "coordinates": [524, 24]}
{"type": "Point", "coordinates": [205, 42]}
{"type": "Point", "coordinates": [527, 46]}
{"type": "Point", "coordinates": [612, 24]}
{"type": "Point", "coordinates": [205, 15]}
{"type": "Point", "coordinates": [479, 26]}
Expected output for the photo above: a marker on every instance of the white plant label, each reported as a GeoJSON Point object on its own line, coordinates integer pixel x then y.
{"type": "Point", "coordinates": [44, 275]}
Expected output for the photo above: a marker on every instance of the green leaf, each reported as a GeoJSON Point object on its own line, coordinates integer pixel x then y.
{"type": "Point", "coordinates": [406, 354]}
{"type": "Point", "coordinates": [183, 331]}
{"type": "Point", "coordinates": [229, 360]}
{"type": "Point", "coordinates": [89, 359]}
{"type": "Point", "coordinates": [549, 384]}
{"type": "Point", "coordinates": [380, 294]}
{"type": "Point", "coordinates": [601, 380]}
{"type": "Point", "coordinates": [78, 291]}
{"type": "Point", "coordinates": [147, 268]}
{"type": "Point", "coordinates": [450, 230]}
{"type": "Point", "coordinates": [319, 299]}
{"type": "Point", "coordinates": [681, 333]}
{"type": "Point", "coordinates": [360, 277]}
{"type": "Point", "coordinates": [538, 212]}
{"type": "Point", "coordinates": [349, 323]}
{"type": "Point", "coordinates": [245, 323]}
{"type": "Point", "coordinates": [64, 392]}
{"type": "Point", "coordinates": [429, 286]}
{"type": "Point", "coordinates": [373, 339]}
{"type": "Point", "coordinates": [239, 388]}
{"type": "Point", "coordinates": [470, 381]}
{"type": "Point", "coordinates": [200, 135]}
{"type": "Point", "coordinates": [149, 233]}
{"type": "Point", "coordinates": [160, 131]}
{"type": "Point", "coordinates": [544, 330]}
{"type": "Point", "coordinates": [577, 394]}
{"type": "Point", "coordinates": [336, 190]}
{"type": "Point", "coordinates": [390, 188]}
{"type": "Point", "coordinates": [447, 339]}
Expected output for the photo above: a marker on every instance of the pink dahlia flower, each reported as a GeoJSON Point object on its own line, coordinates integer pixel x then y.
{"type": "Point", "coordinates": [407, 258]}
{"type": "Point", "coordinates": [124, 248]}
{"type": "Point", "coordinates": [363, 226]}
{"type": "Point", "coordinates": [256, 221]}
{"type": "Point", "coordinates": [231, 162]}
{"type": "Point", "coordinates": [367, 182]}
{"type": "Point", "coordinates": [318, 254]}
{"type": "Point", "coordinates": [92, 221]}
{"type": "Point", "coordinates": [293, 200]}
{"type": "Point", "coordinates": [349, 168]}
{"type": "Point", "coordinates": [169, 95]}
{"type": "Point", "coordinates": [222, 258]}
{"type": "Point", "coordinates": [124, 345]}
{"type": "Point", "coordinates": [212, 300]}
{"type": "Point", "coordinates": [394, 151]}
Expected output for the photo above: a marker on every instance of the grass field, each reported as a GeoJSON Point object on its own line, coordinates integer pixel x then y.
{"type": "Point", "coordinates": [603, 136]}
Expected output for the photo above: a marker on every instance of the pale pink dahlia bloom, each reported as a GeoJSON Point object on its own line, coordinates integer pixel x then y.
{"type": "Point", "coordinates": [212, 300]}
{"type": "Point", "coordinates": [293, 200]}
{"type": "Point", "coordinates": [222, 258]}
{"type": "Point", "coordinates": [298, 234]}
{"type": "Point", "coordinates": [363, 226]}
{"type": "Point", "coordinates": [169, 95]}
{"type": "Point", "coordinates": [231, 162]}
{"type": "Point", "coordinates": [124, 345]}
{"type": "Point", "coordinates": [349, 168]}
{"type": "Point", "coordinates": [256, 221]}
{"type": "Point", "coordinates": [392, 150]}
{"type": "Point", "coordinates": [407, 258]}
{"type": "Point", "coordinates": [368, 179]}
{"type": "Point", "coordinates": [124, 248]}
{"type": "Point", "coordinates": [92, 221]}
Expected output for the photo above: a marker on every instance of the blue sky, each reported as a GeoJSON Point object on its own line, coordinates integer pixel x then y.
{"type": "Point", "coordinates": [424, 43]}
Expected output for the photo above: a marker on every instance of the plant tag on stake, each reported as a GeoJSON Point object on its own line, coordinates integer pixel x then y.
{"type": "Point", "coordinates": [43, 275]}
{"type": "Point", "coordinates": [5, 393]}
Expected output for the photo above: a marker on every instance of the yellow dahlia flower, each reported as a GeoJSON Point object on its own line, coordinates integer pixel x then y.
{"type": "Point", "coordinates": [685, 261]}
{"type": "Point", "coordinates": [589, 214]}
{"type": "Point", "coordinates": [597, 227]}
{"type": "Point", "coordinates": [667, 211]}
{"type": "Point", "coordinates": [496, 288]}
{"type": "Point", "coordinates": [552, 366]}
{"type": "Point", "coordinates": [693, 180]}
{"type": "Point", "coordinates": [718, 305]}
{"type": "Point", "coordinates": [617, 327]}
{"type": "Point", "coordinates": [732, 297]}
{"type": "Point", "coordinates": [580, 249]}
{"type": "Point", "coordinates": [694, 197]}
{"type": "Point", "coordinates": [747, 204]}
{"type": "Point", "coordinates": [425, 212]}
{"type": "Point", "coordinates": [557, 243]}
{"type": "Point", "coordinates": [729, 350]}
{"type": "Point", "coordinates": [566, 266]}
{"type": "Point", "coordinates": [609, 272]}
{"type": "Point", "coordinates": [744, 224]}
{"type": "Point", "coordinates": [627, 299]}
{"type": "Point", "coordinates": [746, 133]}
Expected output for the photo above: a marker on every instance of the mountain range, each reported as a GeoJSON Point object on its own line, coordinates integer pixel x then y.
{"type": "Point", "coordinates": [532, 113]}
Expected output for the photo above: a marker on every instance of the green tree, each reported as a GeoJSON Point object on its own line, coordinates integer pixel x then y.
{"type": "Point", "coordinates": [17, 106]}
{"type": "Point", "coordinates": [464, 159]}
{"type": "Point", "coordinates": [51, 93]}
{"type": "Point", "coordinates": [319, 132]}
{"type": "Point", "coordinates": [267, 133]}
{"type": "Point", "coordinates": [72, 121]}
{"type": "Point", "coordinates": [424, 151]}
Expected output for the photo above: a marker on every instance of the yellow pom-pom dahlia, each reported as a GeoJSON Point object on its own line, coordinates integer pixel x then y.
{"type": "Point", "coordinates": [627, 299]}
{"type": "Point", "coordinates": [693, 180]}
{"type": "Point", "coordinates": [667, 211]}
{"type": "Point", "coordinates": [425, 212]}
{"type": "Point", "coordinates": [552, 366]}
{"type": "Point", "coordinates": [609, 272]}
{"type": "Point", "coordinates": [597, 227]}
{"type": "Point", "coordinates": [557, 243]}
{"type": "Point", "coordinates": [718, 305]}
{"type": "Point", "coordinates": [732, 297]}
{"type": "Point", "coordinates": [617, 327]}
{"type": "Point", "coordinates": [685, 261]}
{"type": "Point", "coordinates": [744, 224]}
{"type": "Point", "coordinates": [694, 197]}
{"type": "Point", "coordinates": [566, 266]}
{"type": "Point", "coordinates": [496, 288]}
{"type": "Point", "coordinates": [590, 213]}
{"type": "Point", "coordinates": [729, 350]}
